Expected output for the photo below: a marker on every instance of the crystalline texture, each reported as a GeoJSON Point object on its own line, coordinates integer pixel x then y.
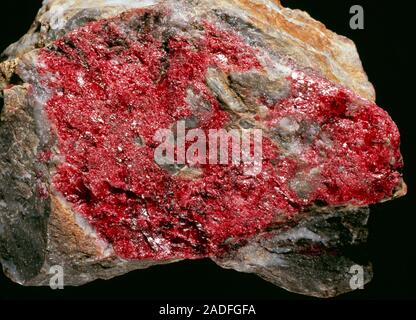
{"type": "Point", "coordinates": [78, 148]}
{"type": "Point", "coordinates": [114, 80]}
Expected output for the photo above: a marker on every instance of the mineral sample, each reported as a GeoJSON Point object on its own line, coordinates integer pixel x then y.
{"type": "Point", "coordinates": [86, 92]}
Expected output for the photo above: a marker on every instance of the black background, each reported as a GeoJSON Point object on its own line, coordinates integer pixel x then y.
{"type": "Point", "coordinates": [385, 47]}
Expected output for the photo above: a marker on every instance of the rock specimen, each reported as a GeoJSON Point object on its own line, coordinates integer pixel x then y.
{"type": "Point", "coordinates": [86, 91]}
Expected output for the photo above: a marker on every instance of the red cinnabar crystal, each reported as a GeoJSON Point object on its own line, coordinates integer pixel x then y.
{"type": "Point", "coordinates": [113, 83]}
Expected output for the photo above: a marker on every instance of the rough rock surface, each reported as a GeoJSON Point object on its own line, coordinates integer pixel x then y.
{"type": "Point", "coordinates": [88, 86]}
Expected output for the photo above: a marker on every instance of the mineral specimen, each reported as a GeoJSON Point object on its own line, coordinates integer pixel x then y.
{"type": "Point", "coordinates": [96, 80]}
